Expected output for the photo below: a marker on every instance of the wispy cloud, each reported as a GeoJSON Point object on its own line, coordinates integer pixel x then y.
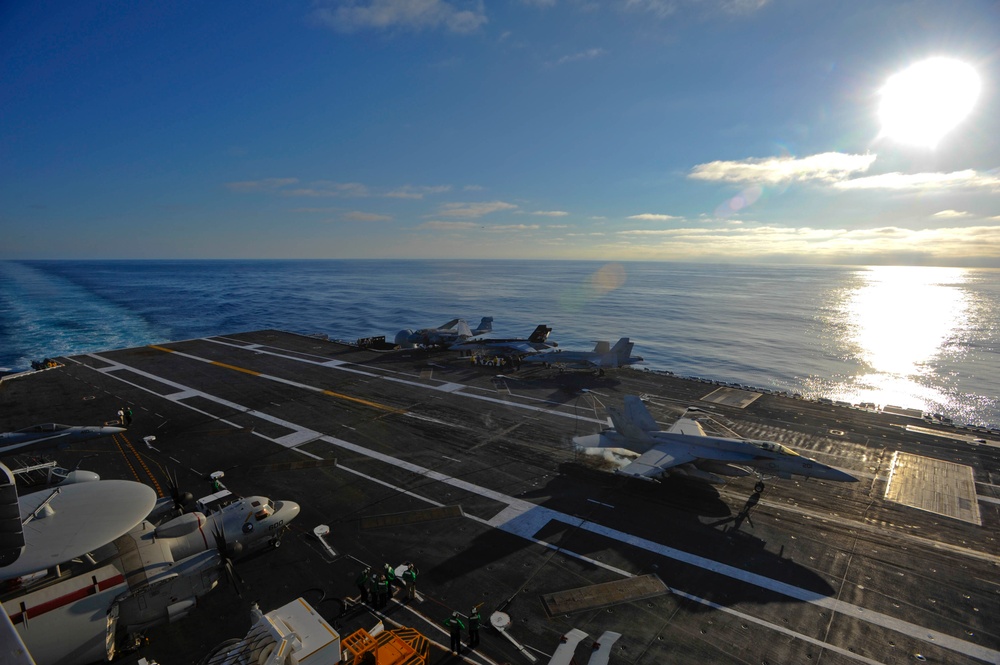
{"type": "Point", "coordinates": [952, 214]}
{"type": "Point", "coordinates": [589, 54]}
{"type": "Point", "coordinates": [411, 15]}
{"type": "Point", "coordinates": [438, 225]}
{"type": "Point", "coordinates": [967, 179]}
{"type": "Point", "coordinates": [550, 213]}
{"type": "Point", "coordinates": [358, 216]}
{"type": "Point", "coordinates": [324, 189]}
{"type": "Point", "coordinates": [417, 191]}
{"type": "Point", "coordinates": [830, 167]}
{"type": "Point", "coordinates": [503, 228]}
{"type": "Point", "coordinates": [944, 246]}
{"type": "Point", "coordinates": [664, 8]}
{"type": "Point", "coordinates": [653, 217]}
{"type": "Point", "coordinates": [473, 210]}
{"type": "Point", "coordinates": [322, 210]}
{"type": "Point", "coordinates": [263, 185]}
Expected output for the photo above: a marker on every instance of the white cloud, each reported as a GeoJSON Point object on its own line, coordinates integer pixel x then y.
{"type": "Point", "coordinates": [653, 217]}
{"type": "Point", "coordinates": [266, 184]}
{"type": "Point", "coordinates": [474, 210]}
{"type": "Point", "coordinates": [329, 189]}
{"type": "Point", "coordinates": [589, 54]}
{"type": "Point", "coordinates": [825, 167]}
{"type": "Point", "coordinates": [448, 226]}
{"type": "Point", "coordinates": [967, 179]}
{"type": "Point", "coordinates": [415, 15]}
{"type": "Point", "coordinates": [358, 216]}
{"type": "Point", "coordinates": [942, 246]}
{"type": "Point", "coordinates": [323, 210]}
{"type": "Point", "coordinates": [658, 8]}
{"type": "Point", "coordinates": [512, 227]}
{"type": "Point", "coordinates": [417, 191]}
{"type": "Point", "coordinates": [550, 213]}
{"type": "Point", "coordinates": [952, 214]}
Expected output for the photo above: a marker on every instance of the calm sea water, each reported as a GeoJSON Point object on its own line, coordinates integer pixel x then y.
{"type": "Point", "coordinates": [926, 338]}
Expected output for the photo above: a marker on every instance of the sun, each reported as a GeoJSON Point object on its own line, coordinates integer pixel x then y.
{"type": "Point", "coordinates": [927, 100]}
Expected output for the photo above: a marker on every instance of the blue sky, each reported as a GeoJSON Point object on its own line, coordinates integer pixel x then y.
{"type": "Point", "coordinates": [709, 130]}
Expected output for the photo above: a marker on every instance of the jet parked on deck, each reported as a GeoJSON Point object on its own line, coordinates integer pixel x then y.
{"type": "Point", "coordinates": [603, 356]}
{"type": "Point", "coordinates": [685, 450]}
{"type": "Point", "coordinates": [452, 332]}
{"type": "Point", "coordinates": [513, 346]}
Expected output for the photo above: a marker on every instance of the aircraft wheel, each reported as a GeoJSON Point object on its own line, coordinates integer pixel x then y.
{"type": "Point", "coordinates": [759, 487]}
{"type": "Point", "coordinates": [276, 543]}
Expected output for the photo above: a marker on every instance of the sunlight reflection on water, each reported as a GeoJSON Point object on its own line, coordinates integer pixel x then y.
{"type": "Point", "coordinates": [896, 322]}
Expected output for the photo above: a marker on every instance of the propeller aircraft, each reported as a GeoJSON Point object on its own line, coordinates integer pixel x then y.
{"type": "Point", "coordinates": [130, 573]}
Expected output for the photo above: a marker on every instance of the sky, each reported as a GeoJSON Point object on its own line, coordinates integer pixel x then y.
{"type": "Point", "coordinates": [740, 131]}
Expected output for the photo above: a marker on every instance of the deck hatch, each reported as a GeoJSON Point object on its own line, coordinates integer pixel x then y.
{"type": "Point", "coordinates": [939, 487]}
{"type": "Point", "coordinates": [597, 596]}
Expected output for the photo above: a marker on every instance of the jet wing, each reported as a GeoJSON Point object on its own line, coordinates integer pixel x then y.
{"type": "Point", "coordinates": [687, 426]}
{"type": "Point", "coordinates": [651, 464]}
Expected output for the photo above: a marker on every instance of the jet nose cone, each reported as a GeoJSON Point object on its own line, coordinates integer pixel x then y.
{"type": "Point", "coordinates": [841, 476]}
{"type": "Point", "coordinates": [112, 430]}
{"type": "Point", "coordinates": [288, 510]}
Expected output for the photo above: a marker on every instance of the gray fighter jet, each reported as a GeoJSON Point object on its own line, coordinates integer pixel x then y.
{"type": "Point", "coordinates": [449, 333]}
{"type": "Point", "coordinates": [685, 450]}
{"type": "Point", "coordinates": [602, 357]}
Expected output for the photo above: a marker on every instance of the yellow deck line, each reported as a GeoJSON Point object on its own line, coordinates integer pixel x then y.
{"type": "Point", "coordinates": [235, 368]}
{"type": "Point", "coordinates": [330, 393]}
{"type": "Point", "coordinates": [374, 405]}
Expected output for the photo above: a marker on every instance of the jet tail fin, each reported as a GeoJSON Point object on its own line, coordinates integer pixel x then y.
{"type": "Point", "coordinates": [486, 325]}
{"type": "Point", "coordinates": [540, 334]}
{"type": "Point", "coordinates": [634, 420]}
{"type": "Point", "coordinates": [617, 355]}
{"type": "Point", "coordinates": [602, 347]}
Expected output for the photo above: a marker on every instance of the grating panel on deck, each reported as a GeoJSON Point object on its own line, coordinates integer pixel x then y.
{"type": "Point", "coordinates": [940, 487]}
{"type": "Point", "coordinates": [734, 397]}
{"type": "Point", "coordinates": [597, 596]}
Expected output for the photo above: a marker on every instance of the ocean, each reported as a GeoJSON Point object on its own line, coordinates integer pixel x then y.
{"type": "Point", "coordinates": [925, 338]}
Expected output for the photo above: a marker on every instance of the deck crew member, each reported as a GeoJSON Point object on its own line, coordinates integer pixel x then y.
{"type": "Point", "coordinates": [456, 626]}
{"type": "Point", "coordinates": [363, 582]}
{"type": "Point", "coordinates": [410, 577]}
{"type": "Point", "coordinates": [474, 621]}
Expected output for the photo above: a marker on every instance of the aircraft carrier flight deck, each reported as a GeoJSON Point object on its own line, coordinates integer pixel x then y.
{"type": "Point", "coordinates": [470, 473]}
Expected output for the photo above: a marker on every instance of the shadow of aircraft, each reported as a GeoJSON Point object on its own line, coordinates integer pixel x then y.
{"type": "Point", "coordinates": [645, 528]}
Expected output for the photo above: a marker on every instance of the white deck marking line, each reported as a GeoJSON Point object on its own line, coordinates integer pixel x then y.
{"type": "Point", "coordinates": [486, 398]}
{"type": "Point", "coordinates": [624, 573]}
{"type": "Point", "coordinates": [446, 387]}
{"type": "Point", "coordinates": [829, 518]}
{"type": "Point", "coordinates": [524, 519]}
{"type": "Point", "coordinates": [184, 393]}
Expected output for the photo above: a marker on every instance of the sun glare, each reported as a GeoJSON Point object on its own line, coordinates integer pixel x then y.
{"type": "Point", "coordinates": [927, 100]}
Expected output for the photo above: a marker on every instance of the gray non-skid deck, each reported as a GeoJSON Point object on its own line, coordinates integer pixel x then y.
{"type": "Point", "coordinates": [416, 456]}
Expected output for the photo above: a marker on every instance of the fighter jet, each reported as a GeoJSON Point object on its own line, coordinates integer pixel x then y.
{"type": "Point", "coordinates": [685, 450]}
{"type": "Point", "coordinates": [537, 341]}
{"type": "Point", "coordinates": [450, 333]}
{"type": "Point", "coordinates": [603, 356]}
{"type": "Point", "coordinates": [52, 432]}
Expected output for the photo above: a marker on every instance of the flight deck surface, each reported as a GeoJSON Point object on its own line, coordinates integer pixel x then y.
{"type": "Point", "coordinates": [420, 456]}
